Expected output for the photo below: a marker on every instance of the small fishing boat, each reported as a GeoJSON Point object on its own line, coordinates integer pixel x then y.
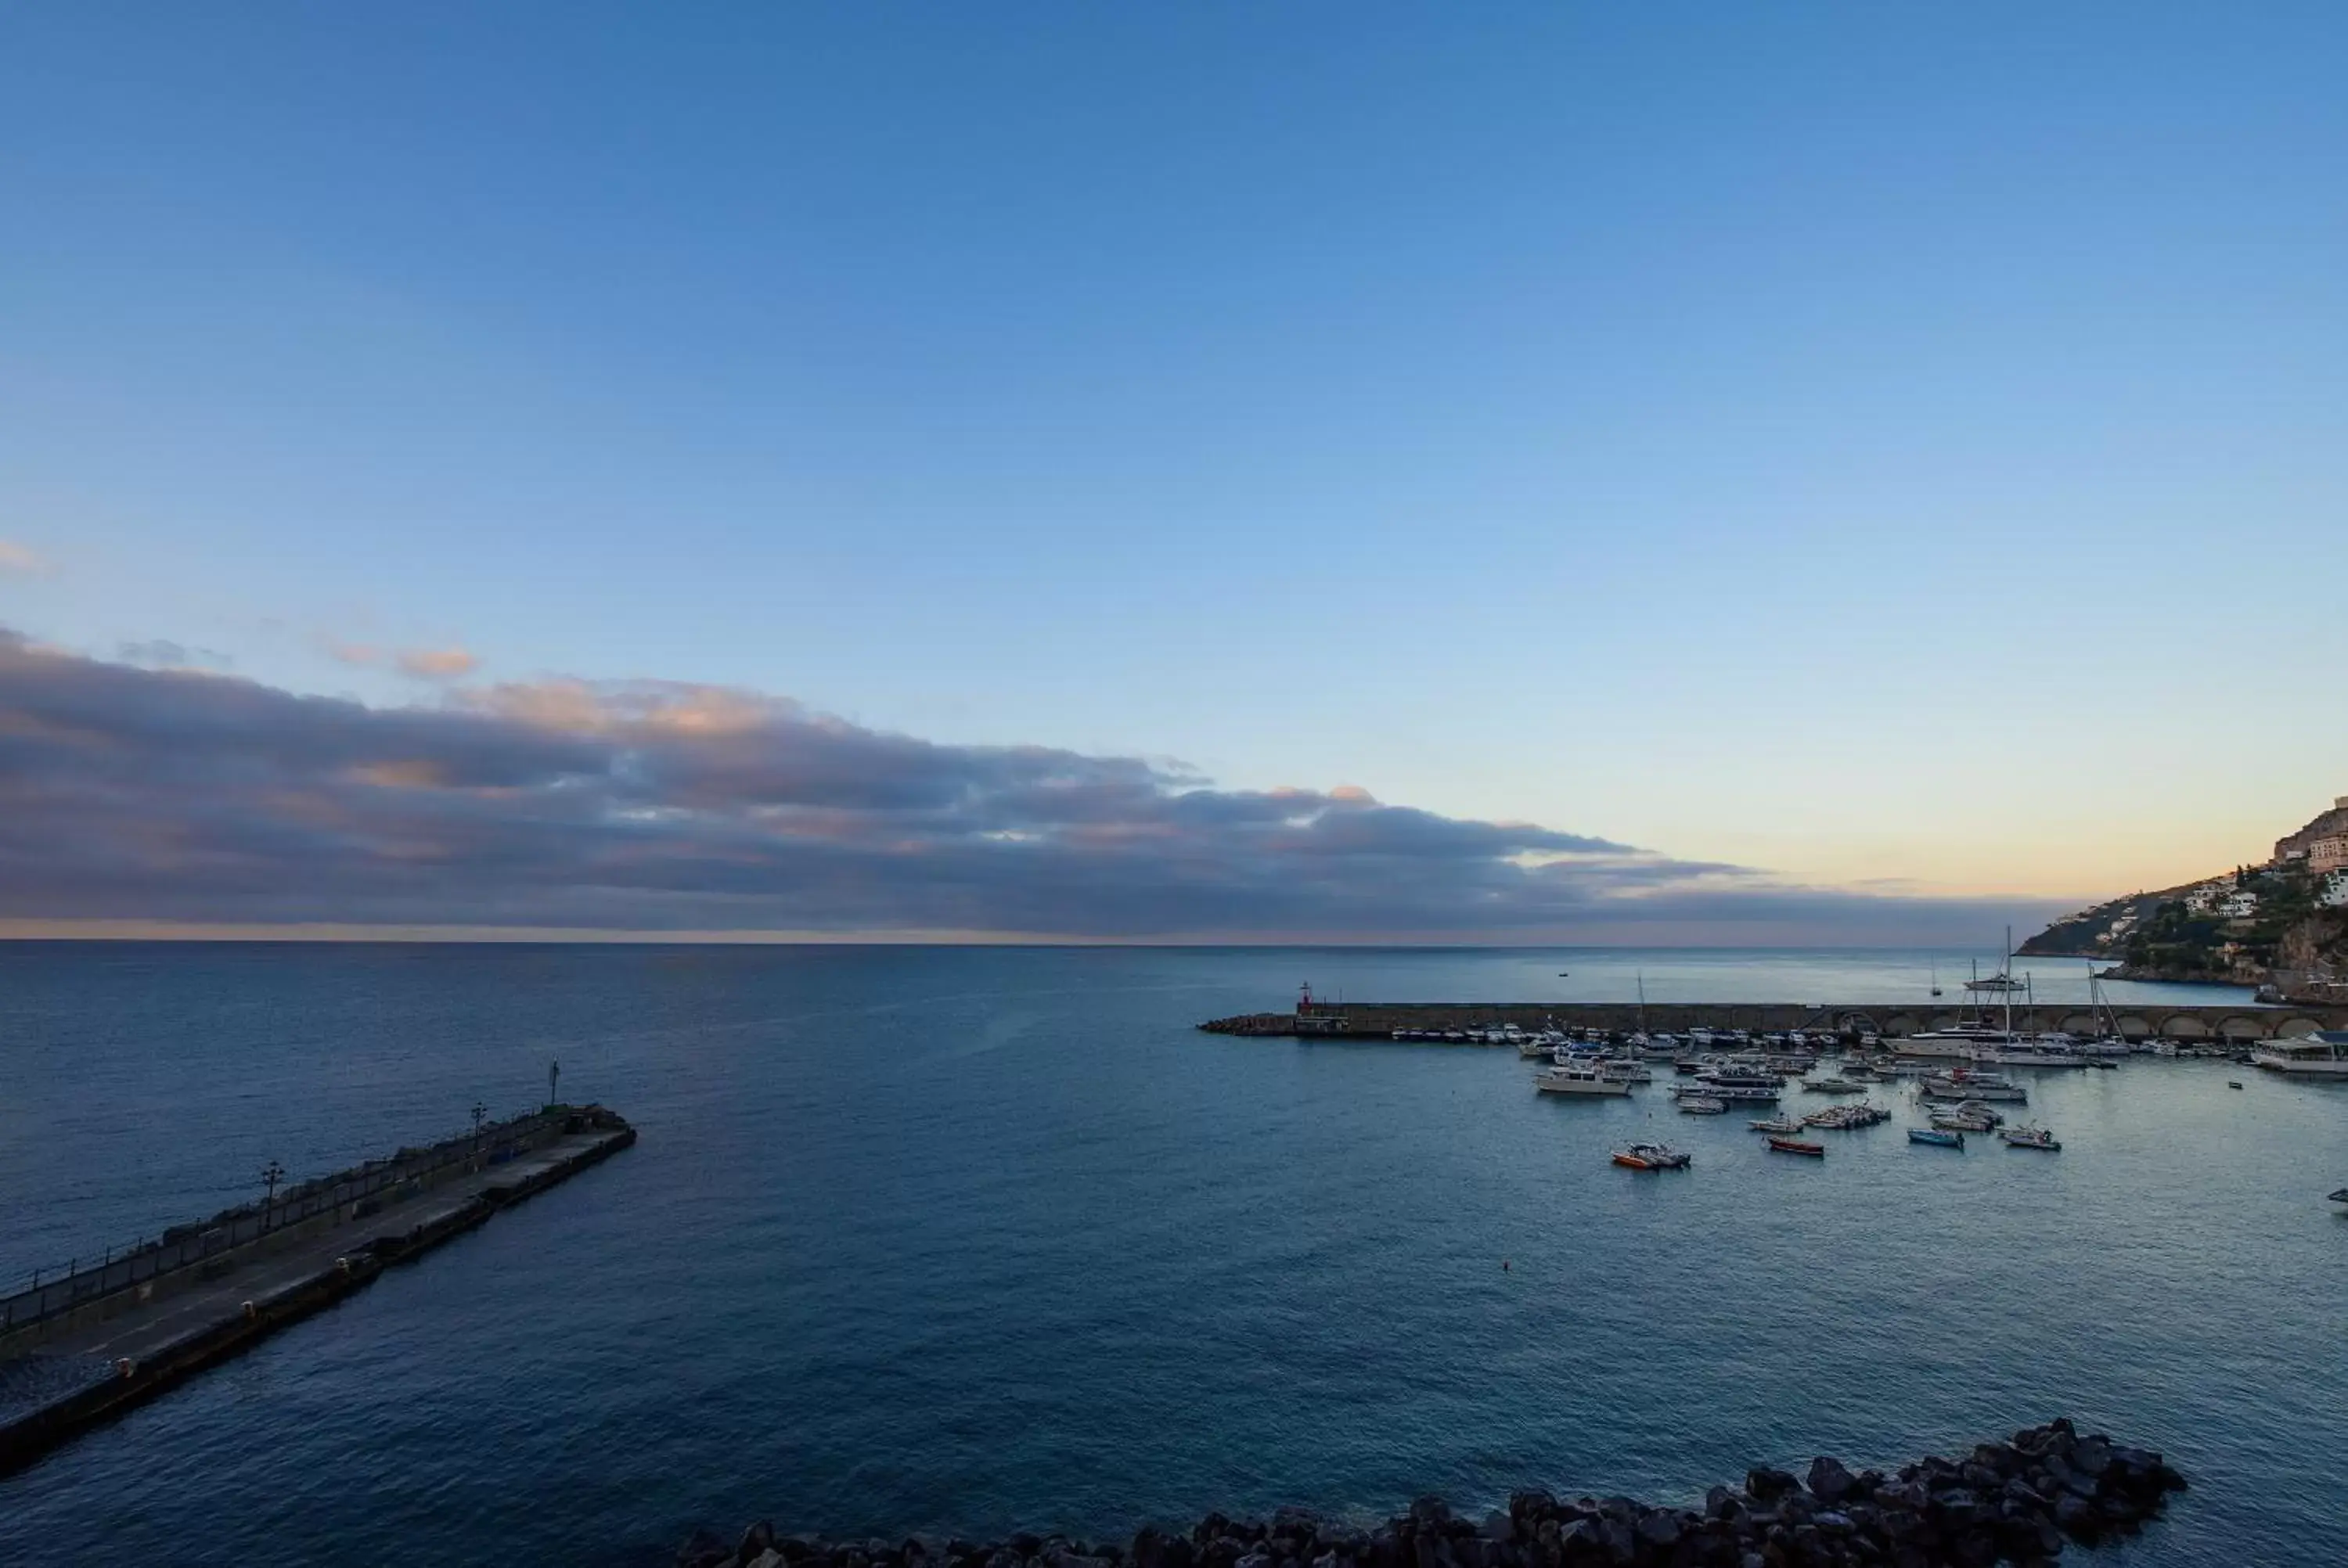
{"type": "Point", "coordinates": [2233, 1083]}
{"type": "Point", "coordinates": [1785, 1125]}
{"type": "Point", "coordinates": [1833, 1086]}
{"type": "Point", "coordinates": [1795, 1146]}
{"type": "Point", "coordinates": [1653, 1157]}
{"type": "Point", "coordinates": [2029, 1137]}
{"type": "Point", "coordinates": [1947, 1138]}
{"type": "Point", "coordinates": [1701, 1105]}
{"type": "Point", "coordinates": [2339, 1197]}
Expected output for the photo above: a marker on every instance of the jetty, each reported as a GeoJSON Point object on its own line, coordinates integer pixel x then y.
{"type": "Point", "coordinates": [1890, 1021]}
{"type": "Point", "coordinates": [2020, 1501]}
{"type": "Point", "coordinates": [91, 1341]}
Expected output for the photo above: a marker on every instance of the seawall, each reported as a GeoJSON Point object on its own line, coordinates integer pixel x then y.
{"type": "Point", "coordinates": [1379, 1020]}
{"type": "Point", "coordinates": [148, 1344]}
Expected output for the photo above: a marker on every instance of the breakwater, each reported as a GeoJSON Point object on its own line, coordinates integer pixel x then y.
{"type": "Point", "coordinates": [79, 1355]}
{"type": "Point", "coordinates": [1379, 1020]}
{"type": "Point", "coordinates": [2013, 1501]}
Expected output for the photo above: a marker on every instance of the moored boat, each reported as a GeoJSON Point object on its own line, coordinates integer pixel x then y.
{"type": "Point", "coordinates": [2029, 1137]}
{"type": "Point", "coordinates": [1578, 1078]}
{"type": "Point", "coordinates": [1701, 1105]}
{"type": "Point", "coordinates": [1653, 1157]}
{"type": "Point", "coordinates": [2323, 1054]}
{"type": "Point", "coordinates": [1945, 1137]}
{"type": "Point", "coordinates": [1797, 1146]}
{"type": "Point", "coordinates": [1785, 1125]}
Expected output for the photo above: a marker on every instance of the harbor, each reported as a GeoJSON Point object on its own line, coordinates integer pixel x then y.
{"type": "Point", "coordinates": [95, 1339]}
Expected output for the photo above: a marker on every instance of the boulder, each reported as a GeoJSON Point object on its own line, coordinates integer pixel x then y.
{"type": "Point", "coordinates": [1829, 1481]}
{"type": "Point", "coordinates": [1764, 1485]}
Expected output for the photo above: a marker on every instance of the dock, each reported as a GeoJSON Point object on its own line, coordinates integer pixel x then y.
{"type": "Point", "coordinates": [96, 1340]}
{"type": "Point", "coordinates": [1891, 1020]}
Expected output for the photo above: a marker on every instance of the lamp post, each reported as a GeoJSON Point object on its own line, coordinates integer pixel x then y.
{"type": "Point", "coordinates": [271, 1174]}
{"type": "Point", "coordinates": [553, 1074]}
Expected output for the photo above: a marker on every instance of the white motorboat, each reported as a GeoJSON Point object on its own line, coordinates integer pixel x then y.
{"type": "Point", "coordinates": [1630, 1071]}
{"type": "Point", "coordinates": [1962, 1084]}
{"type": "Point", "coordinates": [2321, 1055]}
{"type": "Point", "coordinates": [1702, 1105]}
{"type": "Point", "coordinates": [1578, 1078]}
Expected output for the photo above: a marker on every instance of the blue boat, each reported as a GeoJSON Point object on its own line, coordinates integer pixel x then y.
{"type": "Point", "coordinates": [1943, 1136]}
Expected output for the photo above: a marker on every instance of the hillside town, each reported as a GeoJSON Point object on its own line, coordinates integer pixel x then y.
{"type": "Point", "coordinates": [2281, 926]}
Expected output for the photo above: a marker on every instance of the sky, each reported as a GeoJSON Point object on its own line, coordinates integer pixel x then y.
{"type": "Point", "coordinates": [1824, 471]}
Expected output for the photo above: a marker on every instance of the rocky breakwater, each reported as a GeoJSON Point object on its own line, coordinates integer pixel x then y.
{"type": "Point", "coordinates": [2015, 1501]}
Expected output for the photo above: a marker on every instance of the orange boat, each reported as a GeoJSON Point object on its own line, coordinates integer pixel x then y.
{"type": "Point", "coordinates": [1652, 1157]}
{"type": "Point", "coordinates": [1795, 1146]}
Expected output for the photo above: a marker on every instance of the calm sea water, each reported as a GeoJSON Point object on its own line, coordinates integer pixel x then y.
{"type": "Point", "coordinates": [958, 1239]}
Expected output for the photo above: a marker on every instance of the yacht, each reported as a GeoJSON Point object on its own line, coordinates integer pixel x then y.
{"type": "Point", "coordinates": [1628, 1070]}
{"type": "Point", "coordinates": [1578, 1078]}
{"type": "Point", "coordinates": [2032, 1051]}
{"type": "Point", "coordinates": [1961, 1084]}
{"type": "Point", "coordinates": [2321, 1055]}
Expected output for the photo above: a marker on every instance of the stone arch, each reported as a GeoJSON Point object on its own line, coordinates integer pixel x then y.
{"type": "Point", "coordinates": [1899, 1026]}
{"type": "Point", "coordinates": [2241, 1027]}
{"type": "Point", "coordinates": [2184, 1025]}
{"type": "Point", "coordinates": [2079, 1023]}
{"type": "Point", "coordinates": [2134, 1027]}
{"type": "Point", "coordinates": [2296, 1026]}
{"type": "Point", "coordinates": [1856, 1023]}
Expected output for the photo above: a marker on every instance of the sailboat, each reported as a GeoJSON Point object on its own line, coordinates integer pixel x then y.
{"type": "Point", "coordinates": [1936, 976]}
{"type": "Point", "coordinates": [2003, 980]}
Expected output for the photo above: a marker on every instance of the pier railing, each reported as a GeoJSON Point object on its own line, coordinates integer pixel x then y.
{"type": "Point", "coordinates": [192, 1246]}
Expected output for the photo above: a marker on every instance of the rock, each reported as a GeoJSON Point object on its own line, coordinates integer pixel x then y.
{"type": "Point", "coordinates": [701, 1548]}
{"type": "Point", "coordinates": [1721, 1503]}
{"type": "Point", "coordinates": [756, 1540]}
{"type": "Point", "coordinates": [767, 1558]}
{"type": "Point", "coordinates": [1532, 1505]}
{"type": "Point", "coordinates": [1499, 1527]}
{"type": "Point", "coordinates": [2078, 1519]}
{"type": "Point", "coordinates": [1768, 1485]}
{"type": "Point", "coordinates": [1660, 1529]}
{"type": "Point", "coordinates": [1430, 1509]}
{"type": "Point", "coordinates": [1829, 1481]}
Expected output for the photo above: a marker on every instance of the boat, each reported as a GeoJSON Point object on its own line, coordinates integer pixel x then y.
{"type": "Point", "coordinates": [2030, 1138]}
{"type": "Point", "coordinates": [1578, 1078]}
{"type": "Point", "coordinates": [1785, 1125]}
{"type": "Point", "coordinates": [1833, 1086]}
{"type": "Point", "coordinates": [2323, 1054]}
{"type": "Point", "coordinates": [1627, 1070]}
{"type": "Point", "coordinates": [1846, 1118]}
{"type": "Point", "coordinates": [1797, 1146]}
{"type": "Point", "coordinates": [1960, 1084]}
{"type": "Point", "coordinates": [1700, 1105]}
{"type": "Point", "coordinates": [1945, 1137]}
{"type": "Point", "coordinates": [1653, 1157]}
{"type": "Point", "coordinates": [1962, 1122]}
{"type": "Point", "coordinates": [2339, 1197]}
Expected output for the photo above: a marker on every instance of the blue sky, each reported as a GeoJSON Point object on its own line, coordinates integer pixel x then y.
{"type": "Point", "coordinates": [1877, 444]}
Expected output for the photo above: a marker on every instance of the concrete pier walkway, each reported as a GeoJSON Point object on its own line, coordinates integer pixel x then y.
{"type": "Point", "coordinates": [70, 1376]}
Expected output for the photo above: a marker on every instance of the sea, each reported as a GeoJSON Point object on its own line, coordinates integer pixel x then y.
{"type": "Point", "coordinates": [961, 1240]}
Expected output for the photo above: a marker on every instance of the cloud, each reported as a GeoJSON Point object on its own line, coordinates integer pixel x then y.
{"type": "Point", "coordinates": [418, 663]}
{"type": "Point", "coordinates": [21, 561]}
{"type": "Point", "coordinates": [437, 663]}
{"type": "Point", "coordinates": [175, 795]}
{"type": "Point", "coordinates": [162, 654]}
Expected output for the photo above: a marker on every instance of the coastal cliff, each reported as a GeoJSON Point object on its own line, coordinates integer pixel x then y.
{"type": "Point", "coordinates": [2282, 923]}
